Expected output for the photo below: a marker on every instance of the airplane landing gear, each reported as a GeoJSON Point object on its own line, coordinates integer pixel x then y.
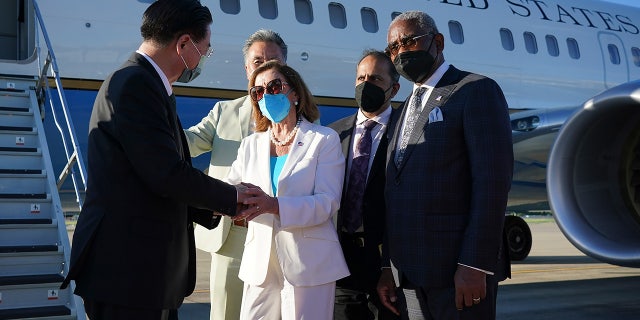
{"type": "Point", "coordinates": [518, 237]}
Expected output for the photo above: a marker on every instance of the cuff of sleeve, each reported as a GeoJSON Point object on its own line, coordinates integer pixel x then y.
{"type": "Point", "coordinates": [474, 268]}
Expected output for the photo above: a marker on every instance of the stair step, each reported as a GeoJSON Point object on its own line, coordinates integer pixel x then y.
{"type": "Point", "coordinates": [27, 209]}
{"type": "Point", "coordinates": [15, 109]}
{"type": "Point", "coordinates": [32, 248]}
{"type": "Point", "coordinates": [25, 221]}
{"type": "Point", "coordinates": [22, 171]}
{"type": "Point", "coordinates": [48, 262]}
{"type": "Point", "coordinates": [39, 312]}
{"type": "Point", "coordinates": [30, 279]}
{"type": "Point", "coordinates": [14, 128]}
{"type": "Point", "coordinates": [11, 90]}
{"type": "Point", "coordinates": [18, 149]}
{"type": "Point", "coordinates": [23, 196]}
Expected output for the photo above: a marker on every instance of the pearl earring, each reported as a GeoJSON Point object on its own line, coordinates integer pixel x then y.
{"type": "Point", "coordinates": [296, 103]}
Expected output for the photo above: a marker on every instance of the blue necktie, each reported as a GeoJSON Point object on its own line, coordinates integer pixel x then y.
{"type": "Point", "coordinates": [352, 217]}
{"type": "Point", "coordinates": [411, 119]}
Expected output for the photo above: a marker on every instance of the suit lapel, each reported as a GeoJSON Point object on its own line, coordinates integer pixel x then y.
{"type": "Point", "coordinates": [244, 113]}
{"type": "Point", "coordinates": [262, 165]}
{"type": "Point", "coordinates": [346, 134]}
{"type": "Point", "coordinates": [299, 147]}
{"type": "Point", "coordinates": [437, 98]}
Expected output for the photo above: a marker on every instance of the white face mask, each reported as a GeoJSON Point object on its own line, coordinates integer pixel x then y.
{"type": "Point", "coordinates": [190, 74]}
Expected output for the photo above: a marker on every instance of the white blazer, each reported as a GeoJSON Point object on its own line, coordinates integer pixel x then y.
{"type": "Point", "coordinates": [309, 191]}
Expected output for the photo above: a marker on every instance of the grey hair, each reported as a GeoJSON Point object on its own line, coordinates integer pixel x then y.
{"type": "Point", "coordinates": [264, 35]}
{"type": "Point", "coordinates": [422, 19]}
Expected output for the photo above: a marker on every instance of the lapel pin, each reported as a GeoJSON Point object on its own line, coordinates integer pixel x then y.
{"type": "Point", "coordinates": [300, 143]}
{"type": "Point", "coordinates": [439, 98]}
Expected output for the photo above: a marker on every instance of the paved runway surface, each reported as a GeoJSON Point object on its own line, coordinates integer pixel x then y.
{"type": "Point", "coordinates": [556, 281]}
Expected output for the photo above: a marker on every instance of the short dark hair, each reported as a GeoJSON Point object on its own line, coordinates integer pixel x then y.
{"type": "Point", "coordinates": [380, 55]}
{"type": "Point", "coordinates": [165, 20]}
{"type": "Point", "coordinates": [306, 107]}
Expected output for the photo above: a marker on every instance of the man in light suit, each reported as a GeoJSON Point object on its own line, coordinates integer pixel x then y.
{"type": "Point", "coordinates": [376, 84]}
{"type": "Point", "coordinates": [449, 168]}
{"type": "Point", "coordinates": [133, 254]}
{"type": "Point", "coordinates": [220, 133]}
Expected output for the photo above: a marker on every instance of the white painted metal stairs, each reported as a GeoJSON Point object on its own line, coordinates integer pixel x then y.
{"type": "Point", "coordinates": [34, 244]}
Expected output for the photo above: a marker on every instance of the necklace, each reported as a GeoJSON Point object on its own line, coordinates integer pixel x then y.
{"type": "Point", "coordinates": [289, 136]}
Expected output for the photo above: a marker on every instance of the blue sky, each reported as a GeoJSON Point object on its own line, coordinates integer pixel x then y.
{"type": "Point", "coordinates": [633, 3]}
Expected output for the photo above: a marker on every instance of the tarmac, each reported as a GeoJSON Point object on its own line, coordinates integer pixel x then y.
{"type": "Point", "coordinates": [556, 281]}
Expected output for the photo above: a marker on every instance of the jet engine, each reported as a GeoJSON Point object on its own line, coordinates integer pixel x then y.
{"type": "Point", "coordinates": [593, 176]}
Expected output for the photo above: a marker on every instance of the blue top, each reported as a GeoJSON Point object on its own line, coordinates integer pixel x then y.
{"type": "Point", "coordinates": [276, 167]}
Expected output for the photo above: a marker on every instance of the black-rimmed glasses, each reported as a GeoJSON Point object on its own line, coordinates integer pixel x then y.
{"type": "Point", "coordinates": [406, 42]}
{"type": "Point", "coordinates": [274, 86]}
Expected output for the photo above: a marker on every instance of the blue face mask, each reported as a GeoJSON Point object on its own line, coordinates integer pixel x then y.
{"type": "Point", "coordinates": [275, 106]}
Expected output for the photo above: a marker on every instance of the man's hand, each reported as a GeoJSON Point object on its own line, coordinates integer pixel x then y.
{"type": "Point", "coordinates": [387, 290]}
{"type": "Point", "coordinates": [471, 286]}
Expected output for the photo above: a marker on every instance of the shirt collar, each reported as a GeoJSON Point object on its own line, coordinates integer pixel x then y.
{"type": "Point", "coordinates": [434, 78]}
{"type": "Point", "coordinates": [165, 81]}
{"type": "Point", "coordinates": [382, 118]}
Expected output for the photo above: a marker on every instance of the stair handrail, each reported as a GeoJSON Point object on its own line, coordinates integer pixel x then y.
{"type": "Point", "coordinates": [76, 155]}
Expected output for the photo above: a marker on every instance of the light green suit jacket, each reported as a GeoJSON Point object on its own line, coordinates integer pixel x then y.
{"type": "Point", "coordinates": [220, 133]}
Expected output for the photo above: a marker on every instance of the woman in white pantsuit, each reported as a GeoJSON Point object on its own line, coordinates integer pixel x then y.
{"type": "Point", "coordinates": [292, 256]}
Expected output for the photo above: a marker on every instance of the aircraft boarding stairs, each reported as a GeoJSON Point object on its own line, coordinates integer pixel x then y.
{"type": "Point", "coordinates": [34, 244]}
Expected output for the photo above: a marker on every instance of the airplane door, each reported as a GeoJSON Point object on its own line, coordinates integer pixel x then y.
{"type": "Point", "coordinates": [614, 59]}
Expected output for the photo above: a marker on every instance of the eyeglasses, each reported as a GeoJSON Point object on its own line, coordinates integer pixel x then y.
{"type": "Point", "coordinates": [209, 50]}
{"type": "Point", "coordinates": [406, 42]}
{"type": "Point", "coordinates": [274, 86]}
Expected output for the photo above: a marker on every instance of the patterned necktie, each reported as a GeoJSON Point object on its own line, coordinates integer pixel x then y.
{"type": "Point", "coordinates": [352, 219]}
{"type": "Point", "coordinates": [410, 121]}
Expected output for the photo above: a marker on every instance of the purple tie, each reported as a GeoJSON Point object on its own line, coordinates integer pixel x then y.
{"type": "Point", "coordinates": [352, 217]}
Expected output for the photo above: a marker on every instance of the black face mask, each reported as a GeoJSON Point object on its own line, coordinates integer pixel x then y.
{"type": "Point", "coordinates": [415, 66]}
{"type": "Point", "coordinates": [370, 97]}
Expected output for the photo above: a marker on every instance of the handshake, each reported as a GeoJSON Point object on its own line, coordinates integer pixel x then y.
{"type": "Point", "coordinates": [252, 202]}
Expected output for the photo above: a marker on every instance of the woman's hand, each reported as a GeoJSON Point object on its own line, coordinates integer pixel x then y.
{"type": "Point", "coordinates": [257, 203]}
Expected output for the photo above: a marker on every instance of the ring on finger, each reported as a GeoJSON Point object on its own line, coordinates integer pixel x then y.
{"type": "Point", "coordinates": [476, 300]}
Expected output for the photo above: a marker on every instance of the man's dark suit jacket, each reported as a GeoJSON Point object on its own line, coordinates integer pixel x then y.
{"type": "Point", "coordinates": [446, 201]}
{"type": "Point", "coordinates": [373, 211]}
{"type": "Point", "coordinates": [133, 244]}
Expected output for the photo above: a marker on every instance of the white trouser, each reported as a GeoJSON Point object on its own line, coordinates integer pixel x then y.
{"type": "Point", "coordinates": [278, 299]}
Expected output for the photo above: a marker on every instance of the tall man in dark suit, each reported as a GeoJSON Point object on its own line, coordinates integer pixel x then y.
{"type": "Point", "coordinates": [361, 216]}
{"type": "Point", "coordinates": [133, 254]}
{"type": "Point", "coordinates": [449, 168]}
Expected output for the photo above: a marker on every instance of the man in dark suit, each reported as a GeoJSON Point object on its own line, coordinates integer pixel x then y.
{"type": "Point", "coordinates": [449, 168]}
{"type": "Point", "coordinates": [133, 254]}
{"type": "Point", "coordinates": [361, 237]}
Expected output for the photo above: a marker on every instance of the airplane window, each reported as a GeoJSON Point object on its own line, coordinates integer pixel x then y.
{"type": "Point", "coordinates": [636, 56]}
{"type": "Point", "coordinates": [304, 12]}
{"type": "Point", "coordinates": [552, 45]}
{"type": "Point", "coordinates": [395, 14]}
{"type": "Point", "coordinates": [230, 6]}
{"type": "Point", "coordinates": [574, 50]}
{"type": "Point", "coordinates": [337, 15]}
{"type": "Point", "coordinates": [507, 39]}
{"type": "Point", "coordinates": [369, 20]}
{"type": "Point", "coordinates": [455, 32]}
{"type": "Point", "coordinates": [268, 9]}
{"type": "Point", "coordinates": [530, 42]}
{"type": "Point", "coordinates": [614, 54]}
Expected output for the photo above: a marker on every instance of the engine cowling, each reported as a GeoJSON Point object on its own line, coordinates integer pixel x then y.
{"type": "Point", "coordinates": [593, 176]}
